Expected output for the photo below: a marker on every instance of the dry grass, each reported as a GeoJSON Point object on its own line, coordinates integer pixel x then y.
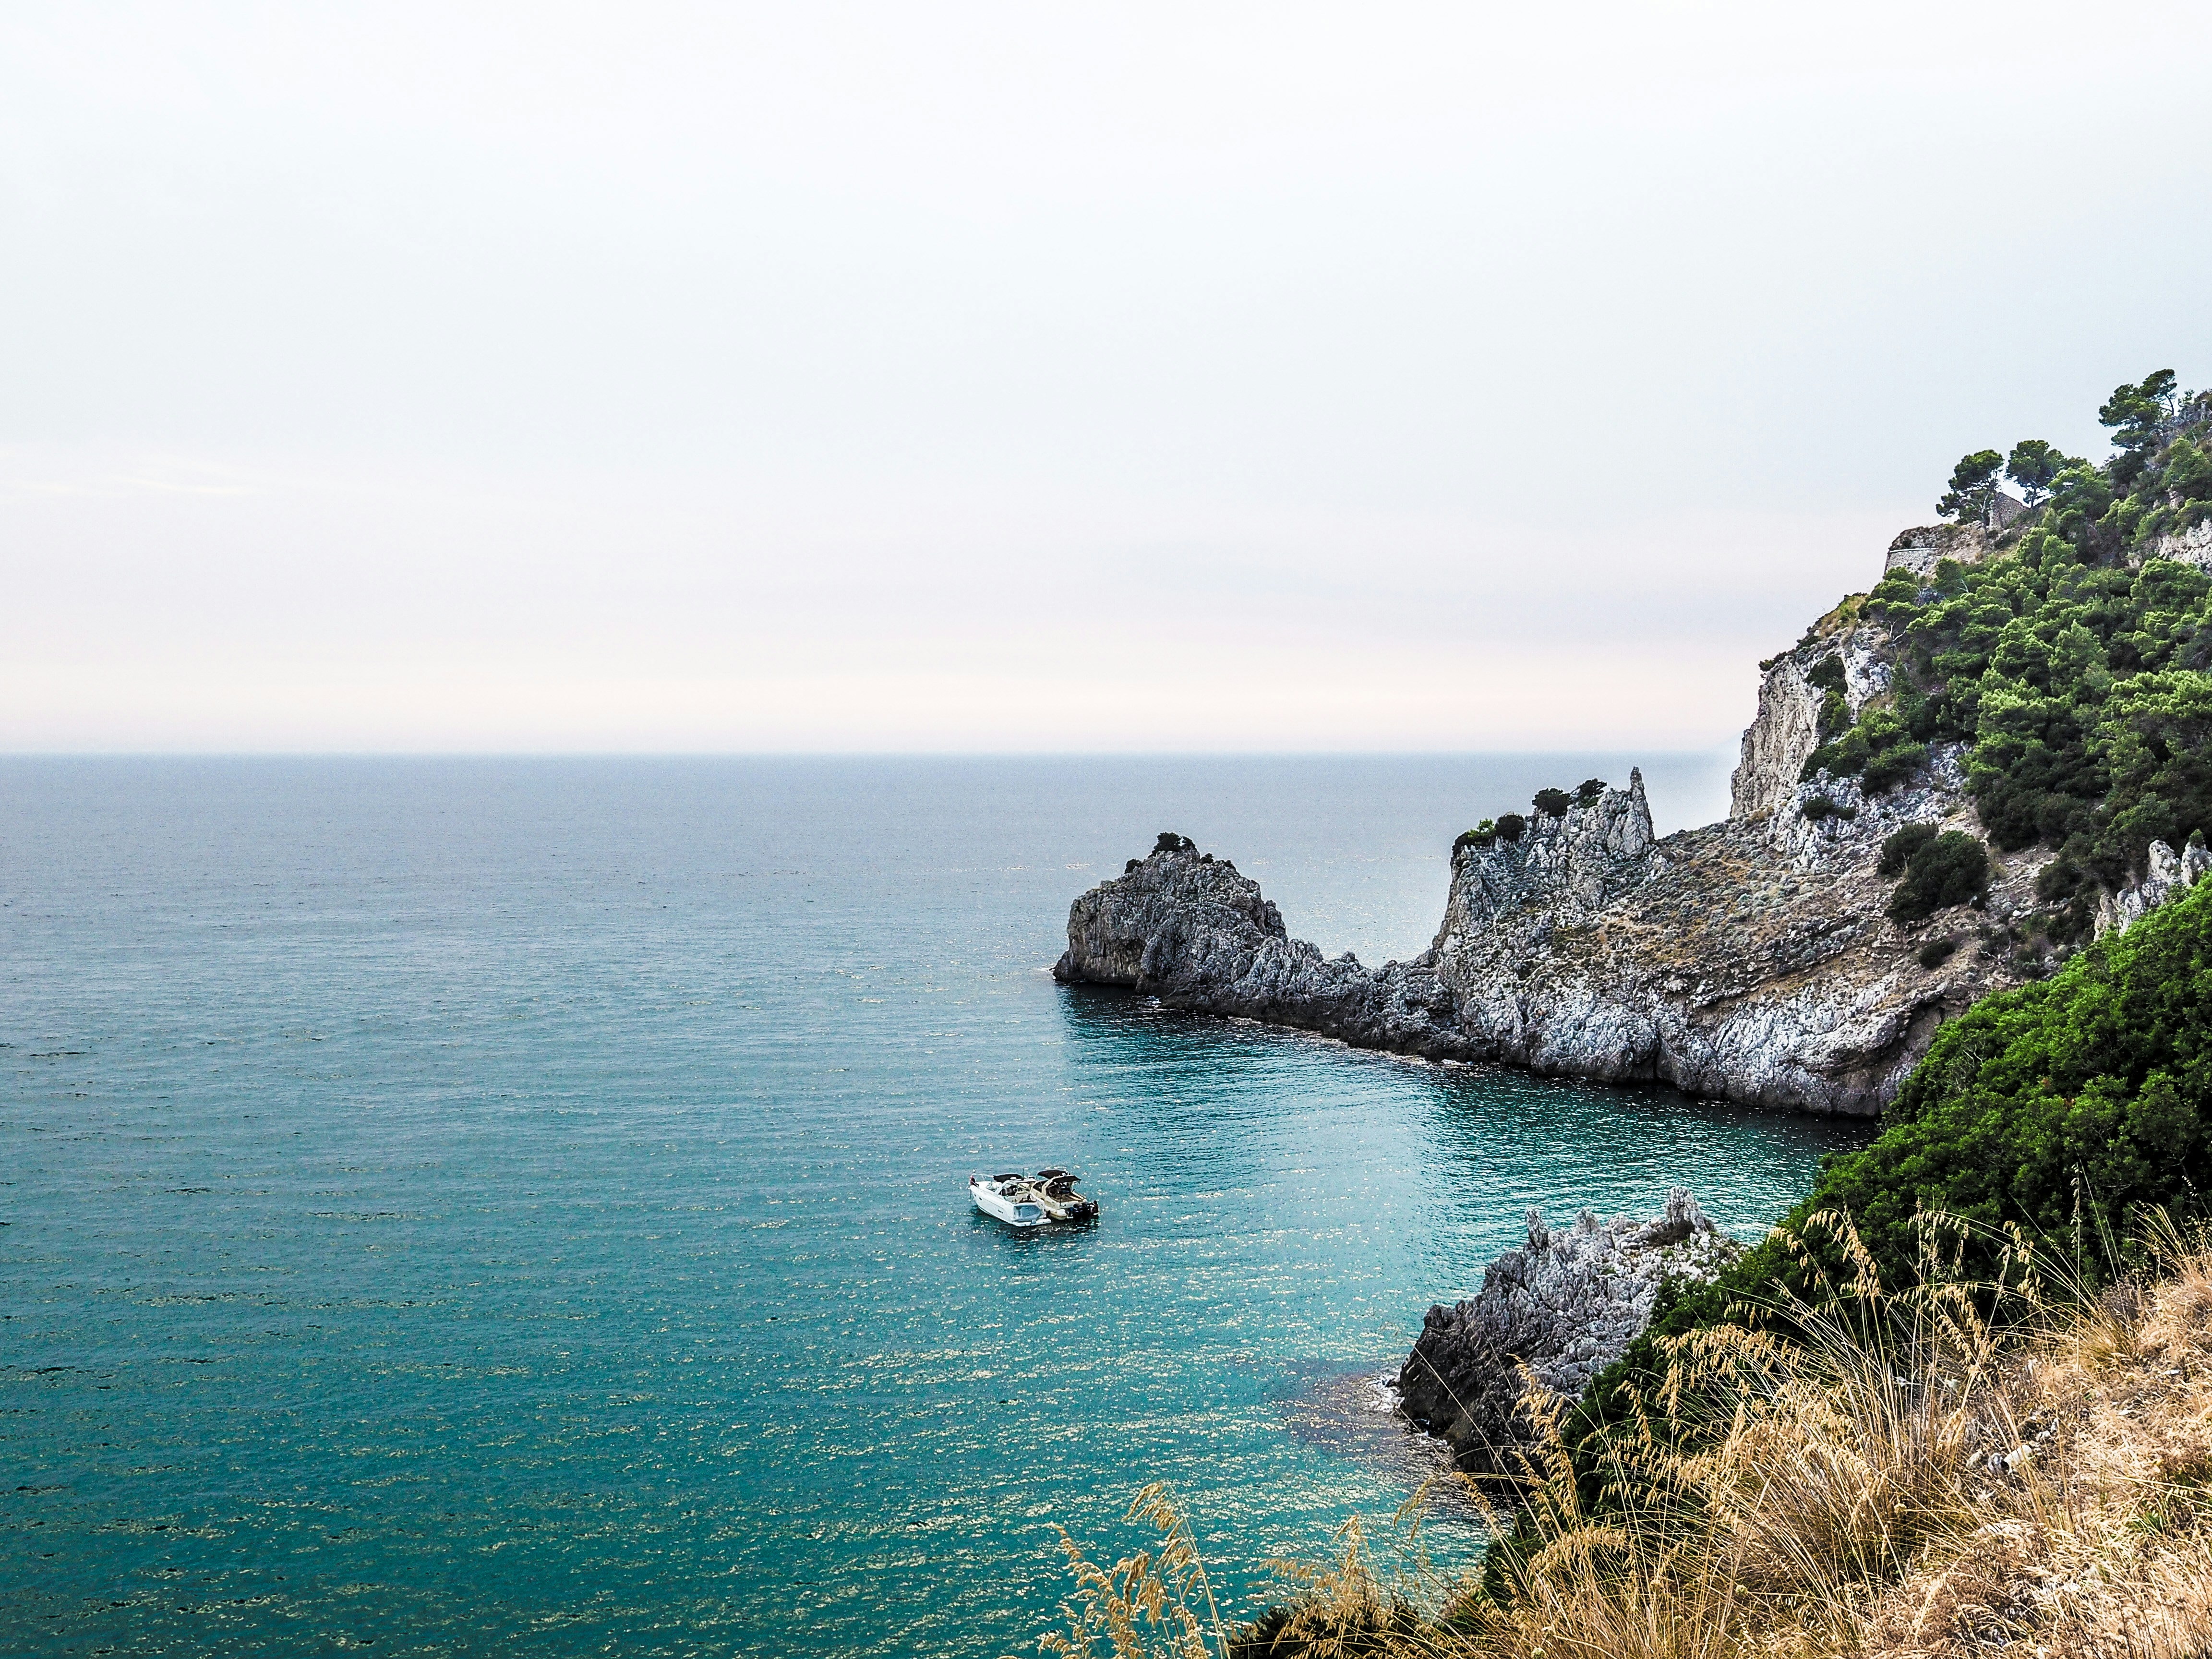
{"type": "Point", "coordinates": [1899, 1482]}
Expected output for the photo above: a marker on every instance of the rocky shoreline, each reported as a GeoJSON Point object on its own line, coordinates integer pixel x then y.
{"type": "Point", "coordinates": [1747, 960]}
{"type": "Point", "coordinates": [1488, 1375]}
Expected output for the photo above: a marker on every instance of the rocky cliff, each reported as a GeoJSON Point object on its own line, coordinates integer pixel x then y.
{"type": "Point", "coordinates": [1486, 1374]}
{"type": "Point", "coordinates": [1185, 927]}
{"type": "Point", "coordinates": [1750, 959]}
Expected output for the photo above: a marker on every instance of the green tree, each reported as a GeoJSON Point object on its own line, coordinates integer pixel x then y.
{"type": "Point", "coordinates": [2189, 471]}
{"type": "Point", "coordinates": [1897, 851]}
{"type": "Point", "coordinates": [2132, 414]}
{"type": "Point", "coordinates": [2033, 464]}
{"type": "Point", "coordinates": [1948, 870]}
{"type": "Point", "coordinates": [1973, 491]}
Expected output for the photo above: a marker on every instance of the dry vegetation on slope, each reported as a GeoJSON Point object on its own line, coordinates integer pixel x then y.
{"type": "Point", "coordinates": [1904, 1479]}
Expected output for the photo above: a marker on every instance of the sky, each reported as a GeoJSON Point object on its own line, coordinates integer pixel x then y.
{"type": "Point", "coordinates": [1019, 378]}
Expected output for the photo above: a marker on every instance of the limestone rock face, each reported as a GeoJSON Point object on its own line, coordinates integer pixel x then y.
{"type": "Point", "coordinates": [2171, 874]}
{"type": "Point", "coordinates": [1749, 959]}
{"type": "Point", "coordinates": [1569, 867]}
{"type": "Point", "coordinates": [1776, 743]}
{"type": "Point", "coordinates": [1921, 549]}
{"type": "Point", "coordinates": [1551, 1314]}
{"type": "Point", "coordinates": [2191, 546]}
{"type": "Point", "coordinates": [1185, 927]}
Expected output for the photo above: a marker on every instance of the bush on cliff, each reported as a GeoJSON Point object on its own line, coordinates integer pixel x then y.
{"type": "Point", "coordinates": [1484, 835]}
{"type": "Point", "coordinates": [1552, 803]}
{"type": "Point", "coordinates": [1949, 870]}
{"type": "Point", "coordinates": [1899, 845]}
{"type": "Point", "coordinates": [1880, 751]}
{"type": "Point", "coordinates": [2069, 1109]}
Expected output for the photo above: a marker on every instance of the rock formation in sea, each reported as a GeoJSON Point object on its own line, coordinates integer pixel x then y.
{"type": "Point", "coordinates": [1486, 1374]}
{"type": "Point", "coordinates": [1750, 959]}
{"type": "Point", "coordinates": [1185, 927]}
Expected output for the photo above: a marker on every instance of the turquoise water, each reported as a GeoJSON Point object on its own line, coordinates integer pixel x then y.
{"type": "Point", "coordinates": [484, 1206]}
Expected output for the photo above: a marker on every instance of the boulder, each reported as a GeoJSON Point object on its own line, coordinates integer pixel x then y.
{"type": "Point", "coordinates": [1486, 1374]}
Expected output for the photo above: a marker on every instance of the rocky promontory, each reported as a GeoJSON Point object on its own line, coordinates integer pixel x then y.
{"type": "Point", "coordinates": [1751, 959]}
{"type": "Point", "coordinates": [1487, 1374]}
{"type": "Point", "coordinates": [1183, 926]}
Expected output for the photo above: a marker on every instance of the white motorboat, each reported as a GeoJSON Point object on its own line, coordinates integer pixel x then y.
{"type": "Point", "coordinates": [1024, 1200]}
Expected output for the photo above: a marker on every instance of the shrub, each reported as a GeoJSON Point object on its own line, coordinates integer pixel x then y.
{"type": "Point", "coordinates": [1938, 951]}
{"type": "Point", "coordinates": [1846, 758]}
{"type": "Point", "coordinates": [2088, 1094]}
{"type": "Point", "coordinates": [1553, 803]}
{"type": "Point", "coordinates": [1510, 827]}
{"type": "Point", "coordinates": [1483, 835]}
{"type": "Point", "coordinates": [1590, 790]}
{"type": "Point", "coordinates": [1948, 870]}
{"type": "Point", "coordinates": [1171, 842]}
{"type": "Point", "coordinates": [1897, 850]}
{"type": "Point", "coordinates": [1887, 768]}
{"type": "Point", "coordinates": [1827, 674]}
{"type": "Point", "coordinates": [1820, 807]}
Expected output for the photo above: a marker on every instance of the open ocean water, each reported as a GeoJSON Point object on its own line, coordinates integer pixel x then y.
{"type": "Point", "coordinates": [461, 1206]}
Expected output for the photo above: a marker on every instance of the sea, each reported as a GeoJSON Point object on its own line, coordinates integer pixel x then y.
{"type": "Point", "coordinates": [509, 1206]}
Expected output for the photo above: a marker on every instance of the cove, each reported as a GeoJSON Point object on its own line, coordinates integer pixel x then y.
{"type": "Point", "coordinates": [483, 1205]}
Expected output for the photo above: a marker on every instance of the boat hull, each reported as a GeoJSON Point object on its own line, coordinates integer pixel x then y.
{"type": "Point", "coordinates": [1001, 1208]}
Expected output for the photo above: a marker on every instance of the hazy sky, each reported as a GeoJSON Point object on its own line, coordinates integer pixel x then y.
{"type": "Point", "coordinates": [1027, 377]}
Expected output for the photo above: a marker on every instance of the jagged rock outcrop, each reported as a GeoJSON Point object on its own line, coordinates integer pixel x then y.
{"type": "Point", "coordinates": [1486, 1374]}
{"type": "Point", "coordinates": [1777, 742]}
{"type": "Point", "coordinates": [2169, 874]}
{"type": "Point", "coordinates": [1749, 959]}
{"type": "Point", "coordinates": [1184, 927]}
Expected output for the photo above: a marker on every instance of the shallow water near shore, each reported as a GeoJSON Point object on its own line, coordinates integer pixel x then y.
{"type": "Point", "coordinates": [471, 1206]}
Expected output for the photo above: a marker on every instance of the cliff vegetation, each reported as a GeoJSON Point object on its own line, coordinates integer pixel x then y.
{"type": "Point", "coordinates": [2073, 662]}
{"type": "Point", "coordinates": [1907, 1475]}
{"type": "Point", "coordinates": [1960, 1399]}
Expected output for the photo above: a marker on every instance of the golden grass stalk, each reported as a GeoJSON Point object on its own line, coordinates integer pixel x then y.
{"type": "Point", "coordinates": [1896, 1477]}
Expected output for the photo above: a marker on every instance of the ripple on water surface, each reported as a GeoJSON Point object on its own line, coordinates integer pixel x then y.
{"type": "Point", "coordinates": [519, 1207]}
